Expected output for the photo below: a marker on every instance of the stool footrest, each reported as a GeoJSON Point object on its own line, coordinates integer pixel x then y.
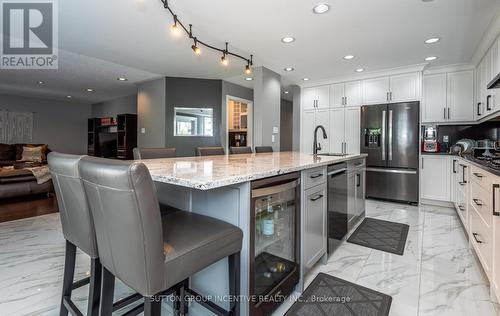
{"type": "Point", "coordinates": [126, 301]}
{"type": "Point", "coordinates": [200, 299]}
{"type": "Point", "coordinates": [135, 311]}
{"type": "Point", "coordinates": [78, 284]}
{"type": "Point", "coordinates": [71, 307]}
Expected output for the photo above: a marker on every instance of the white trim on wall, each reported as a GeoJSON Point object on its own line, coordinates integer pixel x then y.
{"type": "Point", "coordinates": [250, 127]}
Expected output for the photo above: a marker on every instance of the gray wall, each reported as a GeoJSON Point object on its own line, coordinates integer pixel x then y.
{"type": "Point", "coordinates": [296, 118]}
{"type": "Point", "coordinates": [192, 93]}
{"type": "Point", "coordinates": [151, 113]}
{"type": "Point", "coordinates": [60, 124]}
{"type": "Point", "coordinates": [122, 105]}
{"type": "Point", "coordinates": [233, 90]}
{"type": "Point", "coordinates": [286, 125]}
{"type": "Point", "coordinates": [267, 100]}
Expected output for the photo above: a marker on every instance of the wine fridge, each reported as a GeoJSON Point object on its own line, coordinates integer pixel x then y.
{"type": "Point", "coordinates": [274, 242]}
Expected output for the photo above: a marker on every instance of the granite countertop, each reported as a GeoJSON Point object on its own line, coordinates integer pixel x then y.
{"type": "Point", "coordinates": [483, 164]}
{"type": "Point", "coordinates": [210, 172]}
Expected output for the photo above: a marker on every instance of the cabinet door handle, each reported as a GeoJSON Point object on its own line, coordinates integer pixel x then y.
{"type": "Point", "coordinates": [478, 175]}
{"type": "Point", "coordinates": [479, 109]}
{"type": "Point", "coordinates": [444, 113]}
{"type": "Point", "coordinates": [454, 166]}
{"type": "Point", "coordinates": [387, 97]}
{"type": "Point", "coordinates": [390, 96]}
{"type": "Point", "coordinates": [464, 167]}
{"type": "Point", "coordinates": [448, 113]}
{"type": "Point", "coordinates": [478, 202]}
{"type": "Point", "coordinates": [345, 102]}
{"type": "Point", "coordinates": [422, 162]}
{"type": "Point", "coordinates": [495, 213]}
{"type": "Point", "coordinates": [316, 176]}
{"type": "Point", "coordinates": [475, 237]}
{"type": "Point", "coordinates": [358, 180]}
{"type": "Point", "coordinates": [461, 207]}
{"type": "Point", "coordinates": [319, 196]}
{"type": "Point", "coordinates": [488, 105]}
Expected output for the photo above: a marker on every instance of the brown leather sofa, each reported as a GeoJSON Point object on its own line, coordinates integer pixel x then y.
{"type": "Point", "coordinates": [19, 182]}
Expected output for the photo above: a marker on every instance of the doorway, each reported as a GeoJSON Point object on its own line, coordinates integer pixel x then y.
{"type": "Point", "coordinates": [239, 122]}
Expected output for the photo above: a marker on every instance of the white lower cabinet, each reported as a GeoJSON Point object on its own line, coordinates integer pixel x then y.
{"type": "Point", "coordinates": [435, 177]}
{"type": "Point", "coordinates": [310, 120]}
{"type": "Point", "coordinates": [314, 221]}
{"type": "Point", "coordinates": [344, 135]}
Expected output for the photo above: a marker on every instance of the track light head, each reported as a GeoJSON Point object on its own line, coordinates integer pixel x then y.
{"type": "Point", "coordinates": [224, 60]}
{"type": "Point", "coordinates": [195, 47]}
{"type": "Point", "coordinates": [248, 70]}
{"type": "Point", "coordinates": [175, 28]}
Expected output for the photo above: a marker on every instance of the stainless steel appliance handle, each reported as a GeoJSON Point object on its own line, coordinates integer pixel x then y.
{"type": "Point", "coordinates": [495, 186]}
{"type": "Point", "coordinates": [383, 134]}
{"type": "Point", "coordinates": [275, 189]}
{"type": "Point", "coordinates": [389, 142]}
{"type": "Point", "coordinates": [392, 170]}
{"type": "Point", "coordinates": [331, 173]}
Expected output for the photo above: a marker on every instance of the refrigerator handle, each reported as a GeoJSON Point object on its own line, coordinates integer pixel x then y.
{"type": "Point", "coordinates": [389, 132]}
{"type": "Point", "coordinates": [383, 134]}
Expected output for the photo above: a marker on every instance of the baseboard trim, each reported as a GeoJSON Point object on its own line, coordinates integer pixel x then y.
{"type": "Point", "coordinates": [437, 203]}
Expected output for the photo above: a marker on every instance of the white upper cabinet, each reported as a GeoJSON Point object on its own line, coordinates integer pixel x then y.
{"type": "Point", "coordinates": [460, 96]}
{"type": "Point", "coordinates": [434, 103]}
{"type": "Point", "coordinates": [404, 88]}
{"type": "Point", "coordinates": [308, 98]}
{"type": "Point", "coordinates": [393, 89]}
{"type": "Point", "coordinates": [337, 95]}
{"type": "Point", "coordinates": [353, 93]}
{"type": "Point", "coordinates": [448, 97]}
{"type": "Point", "coordinates": [376, 90]}
{"type": "Point", "coordinates": [323, 97]}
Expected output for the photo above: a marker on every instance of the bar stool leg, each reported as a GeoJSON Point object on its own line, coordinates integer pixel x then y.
{"type": "Point", "coordinates": [69, 274]}
{"type": "Point", "coordinates": [152, 306]}
{"type": "Point", "coordinates": [94, 287]}
{"type": "Point", "coordinates": [107, 292]}
{"type": "Point", "coordinates": [183, 295]}
{"type": "Point", "coordinates": [234, 283]}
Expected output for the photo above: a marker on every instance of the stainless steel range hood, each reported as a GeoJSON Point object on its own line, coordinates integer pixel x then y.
{"type": "Point", "coordinates": [495, 83]}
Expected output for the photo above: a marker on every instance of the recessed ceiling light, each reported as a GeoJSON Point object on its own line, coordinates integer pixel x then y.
{"type": "Point", "coordinates": [122, 79]}
{"type": "Point", "coordinates": [360, 70]}
{"type": "Point", "coordinates": [69, 96]}
{"type": "Point", "coordinates": [321, 8]}
{"type": "Point", "coordinates": [288, 69]}
{"type": "Point", "coordinates": [432, 40]}
{"type": "Point", "coordinates": [285, 92]}
{"type": "Point", "coordinates": [348, 57]}
{"type": "Point", "coordinates": [248, 78]}
{"type": "Point", "coordinates": [306, 79]}
{"type": "Point", "coordinates": [431, 58]}
{"type": "Point", "coordinates": [288, 39]}
{"type": "Point", "coordinates": [89, 90]}
{"type": "Point", "coordinates": [41, 82]}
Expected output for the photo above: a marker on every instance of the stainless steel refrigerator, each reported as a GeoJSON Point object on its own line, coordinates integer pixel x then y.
{"type": "Point", "coordinates": [390, 137]}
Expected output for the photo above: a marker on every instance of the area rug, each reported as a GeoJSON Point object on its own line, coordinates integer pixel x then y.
{"type": "Point", "coordinates": [328, 295]}
{"type": "Point", "coordinates": [382, 235]}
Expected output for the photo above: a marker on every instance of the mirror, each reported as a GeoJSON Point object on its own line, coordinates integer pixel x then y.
{"type": "Point", "coordinates": [193, 122]}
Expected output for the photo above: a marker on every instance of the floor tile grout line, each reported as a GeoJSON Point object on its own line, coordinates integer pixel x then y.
{"type": "Point", "coordinates": [421, 260]}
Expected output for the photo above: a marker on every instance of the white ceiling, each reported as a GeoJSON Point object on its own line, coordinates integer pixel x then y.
{"type": "Point", "coordinates": [103, 39]}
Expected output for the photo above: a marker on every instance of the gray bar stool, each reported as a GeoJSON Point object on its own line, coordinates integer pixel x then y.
{"type": "Point", "coordinates": [209, 151]}
{"type": "Point", "coordinates": [263, 149]}
{"type": "Point", "coordinates": [153, 153]}
{"type": "Point", "coordinates": [150, 252]}
{"type": "Point", "coordinates": [78, 230]}
{"type": "Point", "coordinates": [240, 150]}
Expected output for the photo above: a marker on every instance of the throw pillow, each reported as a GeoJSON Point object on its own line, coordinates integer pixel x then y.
{"type": "Point", "coordinates": [32, 154]}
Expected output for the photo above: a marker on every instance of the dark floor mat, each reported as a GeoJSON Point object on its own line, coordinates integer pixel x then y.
{"type": "Point", "coordinates": [381, 235]}
{"type": "Point", "coordinates": [328, 295]}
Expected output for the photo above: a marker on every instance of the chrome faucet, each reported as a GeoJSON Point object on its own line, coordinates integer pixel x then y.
{"type": "Point", "coordinates": [317, 146]}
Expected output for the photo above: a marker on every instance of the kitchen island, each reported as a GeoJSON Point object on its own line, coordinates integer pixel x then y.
{"type": "Point", "coordinates": [221, 187]}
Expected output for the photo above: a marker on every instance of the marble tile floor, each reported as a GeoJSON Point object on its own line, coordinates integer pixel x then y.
{"type": "Point", "coordinates": [437, 275]}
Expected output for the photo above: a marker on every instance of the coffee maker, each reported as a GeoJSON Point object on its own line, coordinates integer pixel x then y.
{"type": "Point", "coordinates": [430, 143]}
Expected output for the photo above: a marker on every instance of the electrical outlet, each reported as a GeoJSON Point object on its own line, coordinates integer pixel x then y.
{"type": "Point", "coordinates": [143, 130]}
{"type": "Point", "coordinates": [273, 138]}
{"type": "Point", "coordinates": [445, 138]}
{"type": "Point", "coordinates": [275, 130]}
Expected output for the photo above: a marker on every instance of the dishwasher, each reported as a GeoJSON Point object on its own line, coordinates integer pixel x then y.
{"type": "Point", "coordinates": [337, 216]}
